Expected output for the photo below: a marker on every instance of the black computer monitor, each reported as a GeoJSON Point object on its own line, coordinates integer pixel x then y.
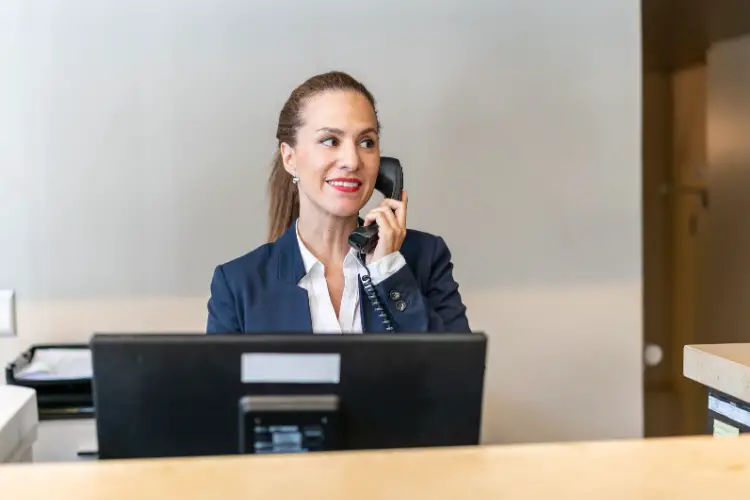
{"type": "Point", "coordinates": [187, 395]}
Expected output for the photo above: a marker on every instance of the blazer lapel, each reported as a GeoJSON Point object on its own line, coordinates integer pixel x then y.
{"type": "Point", "coordinates": [287, 307]}
{"type": "Point", "coordinates": [285, 310]}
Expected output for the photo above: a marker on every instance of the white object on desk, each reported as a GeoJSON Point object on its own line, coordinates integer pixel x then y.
{"type": "Point", "coordinates": [58, 364]}
{"type": "Point", "coordinates": [19, 420]}
{"type": "Point", "coordinates": [61, 440]}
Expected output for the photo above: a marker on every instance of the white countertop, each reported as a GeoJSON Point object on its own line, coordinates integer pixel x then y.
{"type": "Point", "coordinates": [722, 367]}
{"type": "Point", "coordinates": [19, 420]}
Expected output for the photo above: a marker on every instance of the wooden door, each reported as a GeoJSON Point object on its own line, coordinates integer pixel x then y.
{"type": "Point", "coordinates": [688, 199]}
{"type": "Point", "coordinates": [674, 152]}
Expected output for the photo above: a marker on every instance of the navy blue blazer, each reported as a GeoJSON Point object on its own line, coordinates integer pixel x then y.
{"type": "Point", "coordinates": [259, 292]}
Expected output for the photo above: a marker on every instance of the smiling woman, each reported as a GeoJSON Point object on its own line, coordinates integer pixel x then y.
{"type": "Point", "coordinates": [307, 277]}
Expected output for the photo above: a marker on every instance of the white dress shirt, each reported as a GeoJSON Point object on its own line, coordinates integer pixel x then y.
{"type": "Point", "coordinates": [323, 316]}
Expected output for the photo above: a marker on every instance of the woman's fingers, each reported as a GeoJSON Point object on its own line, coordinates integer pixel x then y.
{"type": "Point", "coordinates": [398, 207]}
{"type": "Point", "coordinates": [383, 217]}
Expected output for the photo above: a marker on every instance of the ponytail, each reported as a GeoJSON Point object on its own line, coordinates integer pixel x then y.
{"type": "Point", "coordinates": [283, 199]}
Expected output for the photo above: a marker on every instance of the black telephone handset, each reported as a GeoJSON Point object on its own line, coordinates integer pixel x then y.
{"type": "Point", "coordinates": [390, 182]}
{"type": "Point", "coordinates": [364, 239]}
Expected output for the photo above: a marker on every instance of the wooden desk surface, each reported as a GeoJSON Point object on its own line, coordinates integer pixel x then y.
{"type": "Point", "coordinates": [723, 367]}
{"type": "Point", "coordinates": [682, 468]}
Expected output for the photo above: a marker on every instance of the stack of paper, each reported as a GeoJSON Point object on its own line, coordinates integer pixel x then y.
{"type": "Point", "coordinates": [58, 364]}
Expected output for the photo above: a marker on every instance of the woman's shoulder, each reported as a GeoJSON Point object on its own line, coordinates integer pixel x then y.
{"type": "Point", "coordinates": [418, 244]}
{"type": "Point", "coordinates": [417, 236]}
{"type": "Point", "coordinates": [251, 262]}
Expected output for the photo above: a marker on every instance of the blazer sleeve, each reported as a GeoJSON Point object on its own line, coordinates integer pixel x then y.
{"type": "Point", "coordinates": [438, 309]}
{"type": "Point", "coordinates": [222, 309]}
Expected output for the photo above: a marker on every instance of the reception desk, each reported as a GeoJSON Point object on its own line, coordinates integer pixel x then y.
{"type": "Point", "coordinates": [685, 468]}
{"type": "Point", "coordinates": [724, 369]}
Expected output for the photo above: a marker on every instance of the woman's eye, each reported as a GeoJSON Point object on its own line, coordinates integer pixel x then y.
{"type": "Point", "coordinates": [368, 143]}
{"type": "Point", "coordinates": [331, 141]}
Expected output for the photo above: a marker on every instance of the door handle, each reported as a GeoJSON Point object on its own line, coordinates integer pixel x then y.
{"type": "Point", "coordinates": [679, 189]}
{"type": "Point", "coordinates": [653, 354]}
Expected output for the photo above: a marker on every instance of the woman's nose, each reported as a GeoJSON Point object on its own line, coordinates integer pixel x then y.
{"type": "Point", "coordinates": [350, 157]}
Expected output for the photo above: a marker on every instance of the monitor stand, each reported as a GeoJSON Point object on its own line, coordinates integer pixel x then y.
{"type": "Point", "coordinates": [289, 424]}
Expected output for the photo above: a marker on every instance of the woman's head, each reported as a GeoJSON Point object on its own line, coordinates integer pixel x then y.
{"type": "Point", "coordinates": [328, 135]}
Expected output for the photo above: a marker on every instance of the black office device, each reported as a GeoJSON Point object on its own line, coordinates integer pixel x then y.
{"type": "Point", "coordinates": [187, 395]}
{"type": "Point", "coordinates": [390, 182]}
{"type": "Point", "coordinates": [59, 397]}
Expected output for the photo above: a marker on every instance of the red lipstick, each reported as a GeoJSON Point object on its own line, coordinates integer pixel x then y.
{"type": "Point", "coordinates": [345, 185]}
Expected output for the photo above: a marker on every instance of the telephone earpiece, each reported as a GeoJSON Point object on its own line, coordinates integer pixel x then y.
{"type": "Point", "coordinates": [390, 182]}
{"type": "Point", "coordinates": [364, 239]}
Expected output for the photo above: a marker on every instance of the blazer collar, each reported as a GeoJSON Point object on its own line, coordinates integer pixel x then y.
{"type": "Point", "coordinates": [291, 266]}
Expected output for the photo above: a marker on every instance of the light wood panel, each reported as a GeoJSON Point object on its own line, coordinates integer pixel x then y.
{"type": "Point", "coordinates": [684, 468]}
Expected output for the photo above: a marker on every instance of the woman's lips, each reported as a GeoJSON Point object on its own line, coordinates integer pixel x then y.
{"type": "Point", "coordinates": [345, 185]}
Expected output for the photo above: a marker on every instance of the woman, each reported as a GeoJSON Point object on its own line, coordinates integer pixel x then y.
{"type": "Point", "coordinates": [307, 278]}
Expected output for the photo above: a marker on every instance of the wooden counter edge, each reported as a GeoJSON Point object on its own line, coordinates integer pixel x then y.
{"type": "Point", "coordinates": [570, 471]}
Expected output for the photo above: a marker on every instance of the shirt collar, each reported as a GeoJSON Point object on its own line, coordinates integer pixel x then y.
{"type": "Point", "coordinates": [309, 260]}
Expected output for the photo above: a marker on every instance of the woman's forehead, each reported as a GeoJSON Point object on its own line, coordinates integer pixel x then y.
{"type": "Point", "coordinates": [346, 111]}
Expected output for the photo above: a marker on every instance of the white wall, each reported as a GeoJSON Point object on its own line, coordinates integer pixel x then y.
{"type": "Point", "coordinates": [135, 139]}
{"type": "Point", "coordinates": [724, 292]}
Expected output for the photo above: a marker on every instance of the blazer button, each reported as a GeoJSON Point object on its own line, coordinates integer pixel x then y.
{"type": "Point", "coordinates": [401, 306]}
{"type": "Point", "coordinates": [394, 295]}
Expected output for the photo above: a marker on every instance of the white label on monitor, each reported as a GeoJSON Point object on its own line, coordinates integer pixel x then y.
{"type": "Point", "coordinates": [285, 368]}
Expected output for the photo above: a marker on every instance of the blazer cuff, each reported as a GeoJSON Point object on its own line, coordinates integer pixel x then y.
{"type": "Point", "coordinates": [386, 267]}
{"type": "Point", "coordinates": [402, 297]}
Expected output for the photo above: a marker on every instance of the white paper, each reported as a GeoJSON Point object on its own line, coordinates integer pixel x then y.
{"type": "Point", "coordinates": [284, 368]}
{"type": "Point", "coordinates": [58, 364]}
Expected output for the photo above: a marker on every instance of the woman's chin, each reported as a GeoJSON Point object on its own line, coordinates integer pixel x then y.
{"type": "Point", "coordinates": [344, 210]}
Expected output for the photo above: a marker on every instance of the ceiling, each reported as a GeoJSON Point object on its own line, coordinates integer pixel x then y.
{"type": "Point", "coordinates": [677, 33]}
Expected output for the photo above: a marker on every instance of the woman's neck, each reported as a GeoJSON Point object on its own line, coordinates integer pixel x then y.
{"type": "Point", "coordinates": [326, 237]}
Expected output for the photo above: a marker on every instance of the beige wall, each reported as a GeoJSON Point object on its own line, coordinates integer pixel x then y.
{"type": "Point", "coordinates": [135, 139]}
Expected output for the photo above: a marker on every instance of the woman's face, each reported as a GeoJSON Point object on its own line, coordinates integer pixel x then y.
{"type": "Point", "coordinates": [337, 155]}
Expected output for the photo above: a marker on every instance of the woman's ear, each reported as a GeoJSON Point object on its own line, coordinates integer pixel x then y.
{"type": "Point", "coordinates": [287, 156]}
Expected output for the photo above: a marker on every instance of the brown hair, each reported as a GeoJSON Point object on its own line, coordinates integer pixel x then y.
{"type": "Point", "coordinates": [283, 197]}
